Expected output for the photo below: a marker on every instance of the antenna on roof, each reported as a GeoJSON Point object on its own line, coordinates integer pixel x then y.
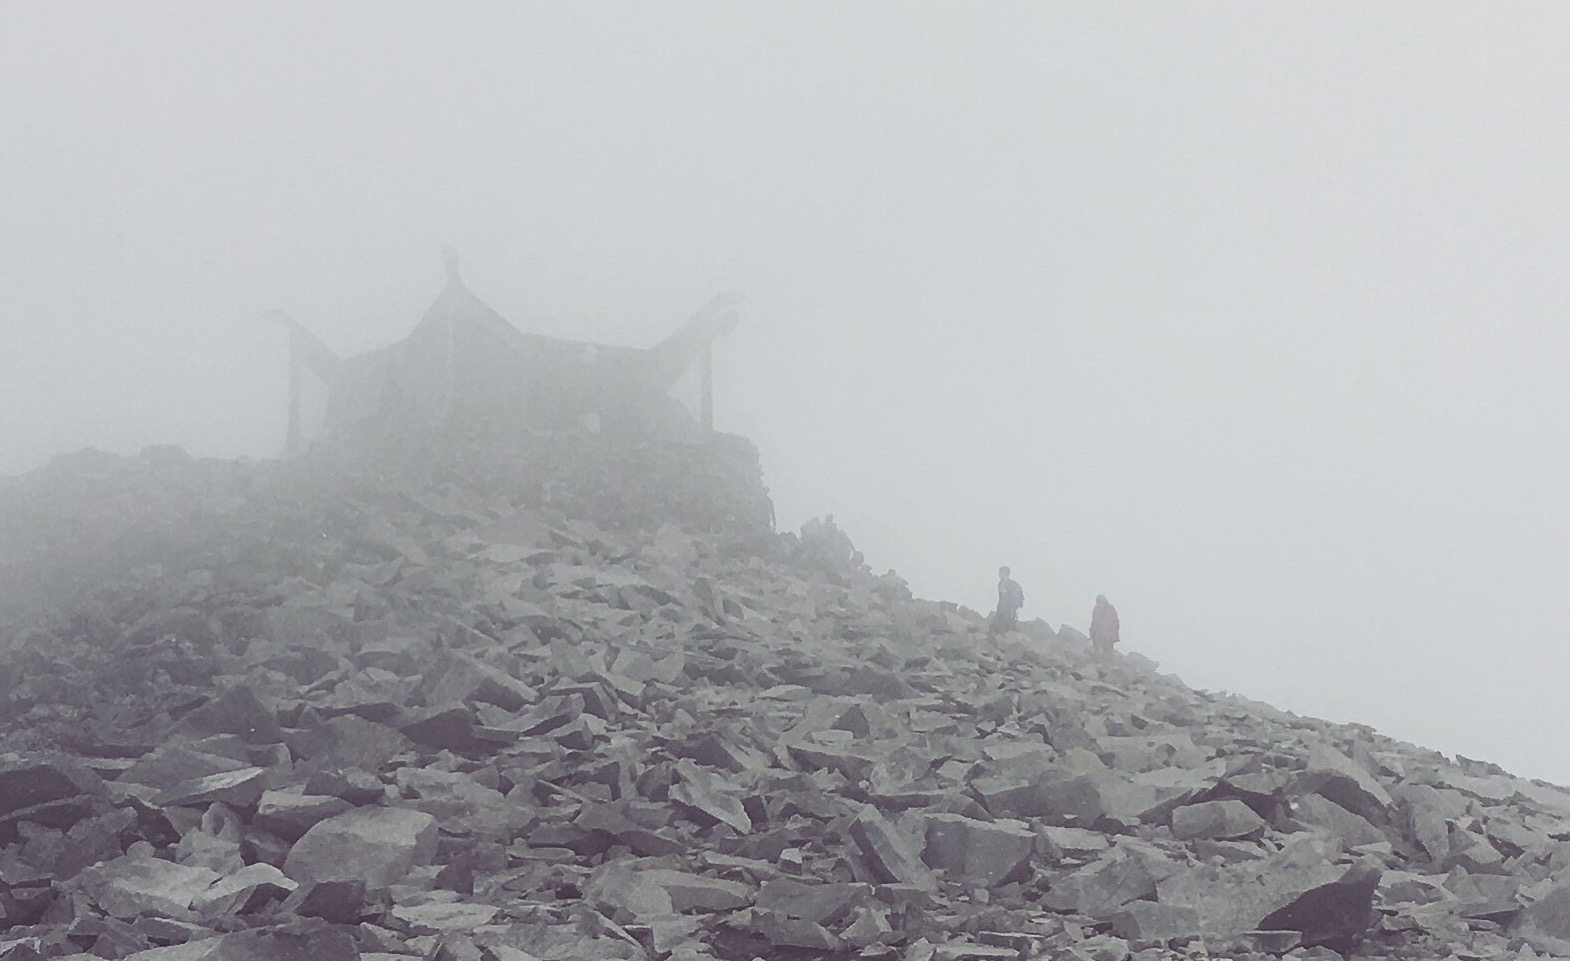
{"type": "Point", "coordinates": [450, 256]}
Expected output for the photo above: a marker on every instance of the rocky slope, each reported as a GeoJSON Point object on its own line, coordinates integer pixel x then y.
{"type": "Point", "coordinates": [458, 697]}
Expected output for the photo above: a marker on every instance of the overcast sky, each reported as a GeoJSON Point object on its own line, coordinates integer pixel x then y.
{"type": "Point", "coordinates": [1252, 317]}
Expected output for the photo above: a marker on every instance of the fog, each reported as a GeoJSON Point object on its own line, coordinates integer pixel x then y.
{"type": "Point", "coordinates": [1253, 318]}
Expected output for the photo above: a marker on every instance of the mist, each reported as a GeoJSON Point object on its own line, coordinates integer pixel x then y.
{"type": "Point", "coordinates": [1251, 318]}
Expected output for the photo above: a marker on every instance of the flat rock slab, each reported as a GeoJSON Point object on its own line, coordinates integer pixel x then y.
{"type": "Point", "coordinates": [1331, 914]}
{"type": "Point", "coordinates": [1100, 889]}
{"type": "Point", "coordinates": [25, 783]}
{"type": "Point", "coordinates": [786, 932]}
{"type": "Point", "coordinates": [703, 794]}
{"type": "Point", "coordinates": [444, 918]}
{"type": "Point", "coordinates": [139, 884]}
{"type": "Point", "coordinates": [697, 892]}
{"type": "Point", "coordinates": [289, 814]}
{"type": "Point", "coordinates": [1546, 922]}
{"type": "Point", "coordinates": [1216, 820]}
{"type": "Point", "coordinates": [319, 944]}
{"type": "Point", "coordinates": [240, 788]}
{"type": "Point", "coordinates": [979, 852]}
{"type": "Point", "coordinates": [820, 903]}
{"type": "Point", "coordinates": [892, 858]}
{"type": "Point", "coordinates": [237, 711]}
{"type": "Point", "coordinates": [1153, 921]}
{"type": "Point", "coordinates": [243, 891]}
{"type": "Point", "coordinates": [376, 845]}
{"type": "Point", "coordinates": [1059, 797]}
{"type": "Point", "coordinates": [340, 902]}
{"type": "Point", "coordinates": [1233, 898]}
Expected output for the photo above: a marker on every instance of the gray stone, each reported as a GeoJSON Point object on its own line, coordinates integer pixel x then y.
{"type": "Point", "coordinates": [26, 783]}
{"type": "Point", "coordinates": [139, 884]}
{"type": "Point", "coordinates": [1216, 820]}
{"type": "Point", "coordinates": [1100, 889]}
{"type": "Point", "coordinates": [462, 805]}
{"type": "Point", "coordinates": [316, 942]}
{"type": "Point", "coordinates": [1056, 796]}
{"type": "Point", "coordinates": [463, 679]}
{"type": "Point", "coordinates": [703, 794]}
{"type": "Point", "coordinates": [1546, 922]}
{"type": "Point", "coordinates": [787, 932]}
{"type": "Point", "coordinates": [1334, 914]}
{"type": "Point", "coordinates": [175, 763]}
{"type": "Point", "coordinates": [697, 892]}
{"type": "Point", "coordinates": [1102, 947]}
{"type": "Point", "coordinates": [890, 856]}
{"type": "Point", "coordinates": [376, 845]}
{"type": "Point", "coordinates": [446, 729]}
{"type": "Point", "coordinates": [1234, 897]}
{"type": "Point", "coordinates": [350, 741]}
{"type": "Point", "coordinates": [626, 894]}
{"type": "Point", "coordinates": [1345, 782]}
{"type": "Point", "coordinates": [339, 902]}
{"type": "Point", "coordinates": [240, 788]}
{"type": "Point", "coordinates": [1320, 811]}
{"type": "Point", "coordinates": [236, 711]}
{"type": "Point", "coordinates": [243, 891]}
{"type": "Point", "coordinates": [439, 918]}
{"type": "Point", "coordinates": [822, 903]}
{"type": "Point", "coordinates": [289, 814]}
{"type": "Point", "coordinates": [979, 852]}
{"type": "Point", "coordinates": [1152, 921]}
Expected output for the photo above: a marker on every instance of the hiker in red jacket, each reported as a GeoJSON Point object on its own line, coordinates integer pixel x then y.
{"type": "Point", "coordinates": [1103, 626]}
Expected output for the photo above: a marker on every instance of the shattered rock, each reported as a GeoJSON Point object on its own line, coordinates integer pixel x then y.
{"type": "Point", "coordinates": [1216, 820]}
{"type": "Point", "coordinates": [375, 845]}
{"type": "Point", "coordinates": [548, 698]}
{"type": "Point", "coordinates": [979, 852]}
{"type": "Point", "coordinates": [1332, 914]}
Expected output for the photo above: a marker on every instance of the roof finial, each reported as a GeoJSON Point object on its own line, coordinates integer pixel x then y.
{"type": "Point", "coordinates": [451, 257]}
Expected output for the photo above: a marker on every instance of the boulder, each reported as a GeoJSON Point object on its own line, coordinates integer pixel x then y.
{"type": "Point", "coordinates": [978, 852]}
{"type": "Point", "coordinates": [236, 711]}
{"type": "Point", "coordinates": [1153, 921]}
{"type": "Point", "coordinates": [375, 845]}
{"type": "Point", "coordinates": [1100, 889]}
{"type": "Point", "coordinates": [697, 892]}
{"type": "Point", "coordinates": [289, 814]}
{"type": "Point", "coordinates": [1216, 820]}
{"type": "Point", "coordinates": [243, 891]}
{"type": "Point", "coordinates": [820, 903]}
{"type": "Point", "coordinates": [1546, 921]}
{"type": "Point", "coordinates": [1057, 796]}
{"type": "Point", "coordinates": [28, 782]}
{"type": "Point", "coordinates": [339, 902]}
{"type": "Point", "coordinates": [240, 788]}
{"type": "Point", "coordinates": [1319, 811]}
{"type": "Point", "coordinates": [139, 884]}
{"type": "Point", "coordinates": [1333, 914]}
{"type": "Point", "coordinates": [889, 854]}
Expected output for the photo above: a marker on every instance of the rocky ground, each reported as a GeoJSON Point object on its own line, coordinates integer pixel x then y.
{"type": "Point", "coordinates": [482, 699]}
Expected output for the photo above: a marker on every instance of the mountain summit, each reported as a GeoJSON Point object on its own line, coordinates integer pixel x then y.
{"type": "Point", "coordinates": [488, 694]}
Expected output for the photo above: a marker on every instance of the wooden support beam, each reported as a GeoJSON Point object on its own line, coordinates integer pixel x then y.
{"type": "Point", "coordinates": [706, 373]}
{"type": "Point", "coordinates": [294, 442]}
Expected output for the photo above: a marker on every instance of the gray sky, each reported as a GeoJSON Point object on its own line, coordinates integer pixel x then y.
{"type": "Point", "coordinates": [1252, 317]}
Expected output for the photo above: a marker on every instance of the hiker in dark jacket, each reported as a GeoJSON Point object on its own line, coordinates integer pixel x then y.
{"type": "Point", "coordinates": [1011, 597]}
{"type": "Point", "coordinates": [1103, 626]}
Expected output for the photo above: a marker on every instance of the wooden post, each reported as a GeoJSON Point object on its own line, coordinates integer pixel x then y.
{"type": "Point", "coordinates": [293, 440]}
{"type": "Point", "coordinates": [706, 373]}
{"type": "Point", "coordinates": [449, 364]}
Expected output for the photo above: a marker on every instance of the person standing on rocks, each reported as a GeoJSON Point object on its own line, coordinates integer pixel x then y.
{"type": "Point", "coordinates": [1103, 626]}
{"type": "Point", "coordinates": [1011, 597]}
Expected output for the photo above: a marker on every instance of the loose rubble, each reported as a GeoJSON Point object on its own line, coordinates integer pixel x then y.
{"type": "Point", "coordinates": [543, 698]}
